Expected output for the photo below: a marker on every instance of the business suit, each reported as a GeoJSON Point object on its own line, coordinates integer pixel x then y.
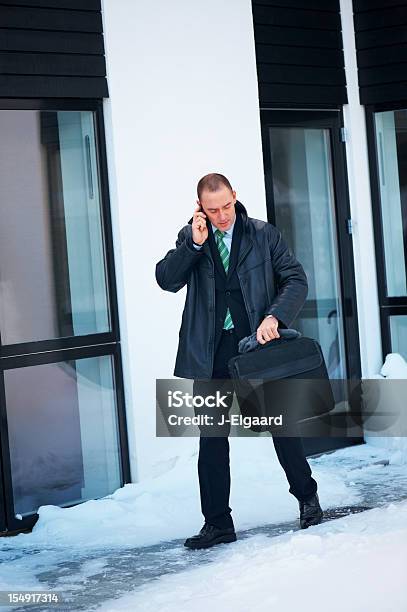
{"type": "Point", "coordinates": [213, 459]}
{"type": "Point", "coordinates": [263, 278]}
{"type": "Point", "coordinates": [271, 281]}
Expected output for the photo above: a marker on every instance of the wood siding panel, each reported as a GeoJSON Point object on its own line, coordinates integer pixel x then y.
{"type": "Point", "coordinates": [82, 5]}
{"type": "Point", "coordinates": [299, 52]}
{"type": "Point", "coordinates": [52, 48]}
{"type": "Point", "coordinates": [381, 43]}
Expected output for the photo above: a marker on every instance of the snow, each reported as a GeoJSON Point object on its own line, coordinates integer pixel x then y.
{"type": "Point", "coordinates": [168, 506]}
{"type": "Point", "coordinates": [129, 545]}
{"type": "Point", "coordinates": [356, 563]}
{"type": "Point", "coordinates": [394, 367]}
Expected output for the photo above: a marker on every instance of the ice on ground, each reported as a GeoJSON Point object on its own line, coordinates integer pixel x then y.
{"type": "Point", "coordinates": [123, 543]}
{"type": "Point", "coordinates": [357, 562]}
{"type": "Point", "coordinates": [168, 506]}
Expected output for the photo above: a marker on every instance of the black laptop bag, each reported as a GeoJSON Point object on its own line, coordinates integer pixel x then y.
{"type": "Point", "coordinates": [286, 376]}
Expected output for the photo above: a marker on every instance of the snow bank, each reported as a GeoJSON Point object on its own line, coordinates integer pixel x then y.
{"type": "Point", "coordinates": [394, 367]}
{"type": "Point", "coordinates": [168, 506]}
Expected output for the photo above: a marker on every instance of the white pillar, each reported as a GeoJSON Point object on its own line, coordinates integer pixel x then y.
{"type": "Point", "coordinates": [361, 207]}
{"type": "Point", "coordinates": [183, 102]}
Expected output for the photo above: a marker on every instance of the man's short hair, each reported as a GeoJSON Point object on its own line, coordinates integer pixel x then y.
{"type": "Point", "coordinates": [212, 182]}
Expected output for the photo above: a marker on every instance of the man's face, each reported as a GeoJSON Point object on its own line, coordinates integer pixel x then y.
{"type": "Point", "coordinates": [219, 207]}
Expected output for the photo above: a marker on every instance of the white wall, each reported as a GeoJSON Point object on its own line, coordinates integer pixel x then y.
{"type": "Point", "coordinates": [183, 102]}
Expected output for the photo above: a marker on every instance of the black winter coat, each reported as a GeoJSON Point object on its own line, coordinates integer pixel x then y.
{"type": "Point", "coordinates": [271, 279]}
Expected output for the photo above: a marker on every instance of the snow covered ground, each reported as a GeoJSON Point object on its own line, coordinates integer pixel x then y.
{"type": "Point", "coordinates": [128, 547]}
{"type": "Point", "coordinates": [354, 563]}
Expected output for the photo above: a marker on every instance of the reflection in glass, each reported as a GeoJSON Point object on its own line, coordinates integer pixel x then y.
{"type": "Point", "coordinates": [52, 264]}
{"type": "Point", "coordinates": [398, 334]}
{"type": "Point", "coordinates": [63, 432]}
{"type": "Point", "coordinates": [391, 144]}
{"type": "Point", "coordinates": [305, 213]}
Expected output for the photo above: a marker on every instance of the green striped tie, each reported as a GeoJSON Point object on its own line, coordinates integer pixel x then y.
{"type": "Point", "coordinates": [224, 255]}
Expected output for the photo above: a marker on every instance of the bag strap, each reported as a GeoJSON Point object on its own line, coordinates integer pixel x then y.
{"type": "Point", "coordinates": [249, 343]}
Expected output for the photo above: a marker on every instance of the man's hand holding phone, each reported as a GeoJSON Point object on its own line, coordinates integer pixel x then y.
{"type": "Point", "coordinates": [199, 228]}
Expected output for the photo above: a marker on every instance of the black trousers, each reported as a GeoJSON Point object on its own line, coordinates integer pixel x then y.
{"type": "Point", "coordinates": [213, 459]}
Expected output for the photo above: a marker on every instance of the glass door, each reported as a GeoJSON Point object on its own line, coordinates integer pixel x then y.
{"type": "Point", "coordinates": [387, 133]}
{"type": "Point", "coordinates": [306, 186]}
{"type": "Point", "coordinates": [63, 435]}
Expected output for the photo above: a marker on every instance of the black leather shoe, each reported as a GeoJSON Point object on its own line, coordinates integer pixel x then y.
{"type": "Point", "coordinates": [211, 535]}
{"type": "Point", "coordinates": [310, 512]}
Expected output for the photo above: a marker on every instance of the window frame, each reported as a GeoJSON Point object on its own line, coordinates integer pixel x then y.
{"type": "Point", "coordinates": [74, 347]}
{"type": "Point", "coordinates": [388, 306]}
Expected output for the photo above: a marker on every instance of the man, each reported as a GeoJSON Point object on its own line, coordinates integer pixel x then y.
{"type": "Point", "coordinates": [241, 278]}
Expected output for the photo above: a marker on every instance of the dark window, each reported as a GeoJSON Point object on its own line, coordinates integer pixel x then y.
{"type": "Point", "coordinates": [387, 131]}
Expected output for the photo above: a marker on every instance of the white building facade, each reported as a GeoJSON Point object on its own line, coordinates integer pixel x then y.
{"type": "Point", "coordinates": [300, 104]}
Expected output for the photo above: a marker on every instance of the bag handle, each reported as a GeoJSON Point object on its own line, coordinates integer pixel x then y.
{"type": "Point", "coordinates": [249, 343]}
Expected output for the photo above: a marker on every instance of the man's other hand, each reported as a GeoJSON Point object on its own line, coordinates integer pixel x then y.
{"type": "Point", "coordinates": [267, 330]}
{"type": "Point", "coordinates": [199, 227]}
